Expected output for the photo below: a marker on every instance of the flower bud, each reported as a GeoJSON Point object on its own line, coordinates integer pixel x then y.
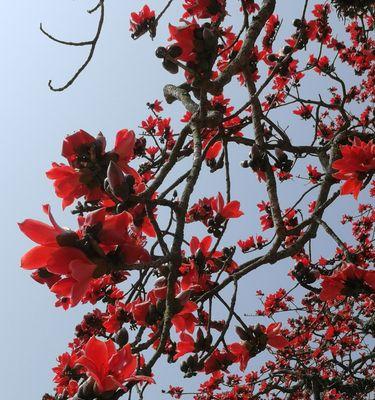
{"type": "Point", "coordinates": [116, 178]}
{"type": "Point", "coordinates": [161, 52]}
{"type": "Point", "coordinates": [287, 49]}
{"type": "Point", "coordinates": [174, 51]}
{"type": "Point", "coordinates": [200, 336]}
{"type": "Point", "coordinates": [170, 66]}
{"type": "Point", "coordinates": [192, 362]}
{"type": "Point", "coordinates": [100, 139]}
{"type": "Point", "coordinates": [122, 337]}
{"type": "Point", "coordinates": [130, 181]}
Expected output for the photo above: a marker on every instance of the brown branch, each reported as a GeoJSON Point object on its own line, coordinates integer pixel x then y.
{"type": "Point", "coordinates": [91, 43]}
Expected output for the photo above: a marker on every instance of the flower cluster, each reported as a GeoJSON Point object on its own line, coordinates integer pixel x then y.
{"type": "Point", "coordinates": [160, 256]}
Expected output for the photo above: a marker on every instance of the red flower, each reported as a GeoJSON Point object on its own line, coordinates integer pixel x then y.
{"type": "Point", "coordinates": [155, 106]}
{"type": "Point", "coordinates": [322, 65]}
{"type": "Point", "coordinates": [271, 29]}
{"type": "Point", "coordinates": [314, 174]}
{"type": "Point", "coordinates": [185, 345]}
{"type": "Point", "coordinates": [88, 164]}
{"type": "Point", "coordinates": [229, 210]}
{"type": "Point", "coordinates": [142, 22]}
{"type": "Point", "coordinates": [250, 6]}
{"type": "Point", "coordinates": [184, 38]}
{"type": "Point", "coordinates": [140, 312]}
{"type": "Point", "coordinates": [242, 354]}
{"type": "Point", "coordinates": [254, 341]}
{"type": "Point", "coordinates": [110, 368]}
{"type": "Point", "coordinates": [124, 147]}
{"type": "Point", "coordinates": [305, 111]}
{"type": "Point", "coordinates": [68, 185]}
{"type": "Point", "coordinates": [175, 391]}
{"type": "Point", "coordinates": [247, 244]}
{"type": "Point", "coordinates": [184, 319]}
{"type": "Point", "coordinates": [75, 143]}
{"type": "Point", "coordinates": [202, 246]}
{"type": "Point", "coordinates": [214, 151]}
{"type": "Point", "coordinates": [203, 8]}
{"type": "Point", "coordinates": [61, 261]}
{"type": "Point", "coordinates": [219, 360]}
{"type": "Point", "coordinates": [111, 229]}
{"type": "Point", "coordinates": [66, 374]}
{"type": "Point", "coordinates": [348, 281]}
{"type": "Point", "coordinates": [78, 277]}
{"type": "Point", "coordinates": [275, 337]}
{"type": "Point", "coordinates": [275, 302]}
{"type": "Point", "coordinates": [358, 160]}
{"type": "Point", "coordinates": [201, 211]}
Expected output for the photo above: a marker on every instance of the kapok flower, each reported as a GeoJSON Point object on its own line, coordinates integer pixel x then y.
{"type": "Point", "coordinates": [184, 320]}
{"type": "Point", "coordinates": [214, 151]}
{"type": "Point", "coordinates": [348, 281]}
{"type": "Point", "coordinates": [202, 246]}
{"type": "Point", "coordinates": [184, 346]}
{"type": "Point", "coordinates": [53, 253]}
{"type": "Point", "coordinates": [88, 164]}
{"type": "Point", "coordinates": [67, 374]}
{"type": "Point", "coordinates": [68, 185]}
{"type": "Point", "coordinates": [184, 38]}
{"type": "Point", "coordinates": [229, 210]}
{"type": "Point", "coordinates": [357, 161]}
{"type": "Point", "coordinates": [247, 244]}
{"type": "Point", "coordinates": [110, 229]}
{"type": "Point", "coordinates": [74, 144]}
{"type": "Point", "coordinates": [305, 111]}
{"type": "Point", "coordinates": [275, 337]}
{"type": "Point", "coordinates": [254, 340]}
{"type": "Point", "coordinates": [110, 368]}
{"type": "Point", "coordinates": [142, 22]}
{"type": "Point", "coordinates": [314, 174]}
{"type": "Point", "coordinates": [242, 354]}
{"type": "Point", "coordinates": [203, 8]}
{"type": "Point", "coordinates": [219, 361]}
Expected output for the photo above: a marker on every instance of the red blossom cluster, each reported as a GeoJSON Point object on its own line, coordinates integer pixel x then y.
{"type": "Point", "coordinates": [159, 280]}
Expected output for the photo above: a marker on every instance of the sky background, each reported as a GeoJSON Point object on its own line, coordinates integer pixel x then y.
{"type": "Point", "coordinates": [110, 95]}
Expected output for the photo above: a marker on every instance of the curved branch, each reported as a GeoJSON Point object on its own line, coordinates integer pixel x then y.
{"type": "Point", "coordinates": [91, 43]}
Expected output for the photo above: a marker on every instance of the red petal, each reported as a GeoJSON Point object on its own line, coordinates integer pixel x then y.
{"type": "Point", "coordinates": [92, 370]}
{"type": "Point", "coordinates": [232, 210]}
{"type": "Point", "coordinates": [279, 342]}
{"type": "Point", "coordinates": [37, 257]}
{"type": "Point", "coordinates": [39, 232]}
{"type": "Point", "coordinates": [96, 351]}
{"type": "Point", "coordinates": [214, 151]}
{"type": "Point", "coordinates": [124, 145]}
{"type": "Point", "coordinates": [63, 287]}
{"type": "Point", "coordinates": [205, 244]}
{"type": "Point", "coordinates": [61, 258]}
{"type": "Point", "coordinates": [194, 244]}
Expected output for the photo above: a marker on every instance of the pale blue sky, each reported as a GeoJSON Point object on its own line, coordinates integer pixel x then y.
{"type": "Point", "coordinates": [110, 95]}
